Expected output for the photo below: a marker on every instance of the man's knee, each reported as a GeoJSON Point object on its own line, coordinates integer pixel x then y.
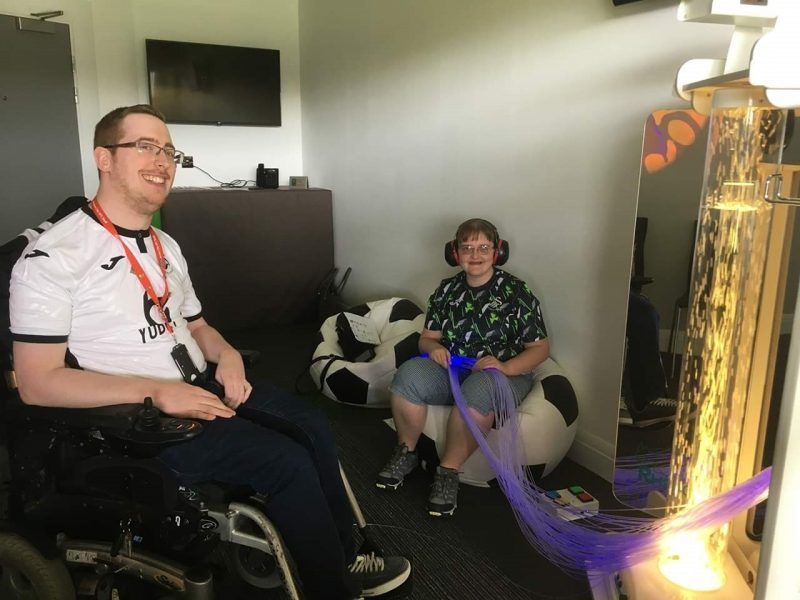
{"type": "Point", "coordinates": [290, 466]}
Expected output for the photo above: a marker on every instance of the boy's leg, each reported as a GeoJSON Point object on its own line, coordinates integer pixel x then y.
{"type": "Point", "coordinates": [477, 390]}
{"type": "Point", "coordinates": [460, 444]}
{"type": "Point", "coordinates": [417, 383]}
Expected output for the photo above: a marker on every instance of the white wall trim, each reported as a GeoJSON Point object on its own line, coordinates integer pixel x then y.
{"type": "Point", "coordinates": [594, 453]}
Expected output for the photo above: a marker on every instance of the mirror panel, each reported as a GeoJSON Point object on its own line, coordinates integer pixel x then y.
{"type": "Point", "coordinates": [673, 156]}
{"type": "Point", "coordinates": [670, 184]}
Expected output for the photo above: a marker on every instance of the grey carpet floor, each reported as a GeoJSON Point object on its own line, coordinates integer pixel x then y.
{"type": "Point", "coordinates": [479, 553]}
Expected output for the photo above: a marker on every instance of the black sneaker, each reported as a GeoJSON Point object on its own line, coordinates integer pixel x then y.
{"type": "Point", "coordinates": [379, 574]}
{"type": "Point", "coordinates": [660, 410]}
{"type": "Point", "coordinates": [400, 464]}
{"type": "Point", "coordinates": [625, 417]}
{"type": "Point", "coordinates": [444, 493]}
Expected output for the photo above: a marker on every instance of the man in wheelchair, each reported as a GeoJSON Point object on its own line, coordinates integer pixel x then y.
{"type": "Point", "coordinates": [102, 314]}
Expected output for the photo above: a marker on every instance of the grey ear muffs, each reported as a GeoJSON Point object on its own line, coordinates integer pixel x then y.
{"type": "Point", "coordinates": [501, 253]}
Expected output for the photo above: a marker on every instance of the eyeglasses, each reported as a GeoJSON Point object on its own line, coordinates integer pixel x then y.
{"type": "Point", "coordinates": [482, 249]}
{"type": "Point", "coordinates": [151, 149]}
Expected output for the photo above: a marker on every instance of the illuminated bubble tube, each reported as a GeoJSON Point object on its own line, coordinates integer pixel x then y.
{"type": "Point", "coordinates": [726, 293]}
{"type": "Point", "coordinates": [598, 542]}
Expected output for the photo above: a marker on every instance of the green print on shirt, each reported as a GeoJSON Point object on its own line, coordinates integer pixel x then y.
{"type": "Point", "coordinates": [495, 319]}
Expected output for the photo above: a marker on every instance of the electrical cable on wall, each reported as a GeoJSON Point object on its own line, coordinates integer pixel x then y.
{"type": "Point", "coordinates": [236, 183]}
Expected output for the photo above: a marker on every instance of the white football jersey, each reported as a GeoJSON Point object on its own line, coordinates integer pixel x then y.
{"type": "Point", "coordinates": [74, 284]}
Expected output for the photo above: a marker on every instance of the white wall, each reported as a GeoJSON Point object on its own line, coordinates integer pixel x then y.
{"type": "Point", "coordinates": [108, 44]}
{"type": "Point", "coordinates": [229, 152]}
{"type": "Point", "coordinates": [420, 114]}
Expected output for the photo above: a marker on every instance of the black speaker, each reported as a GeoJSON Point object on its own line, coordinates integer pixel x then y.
{"type": "Point", "coordinates": [266, 178]}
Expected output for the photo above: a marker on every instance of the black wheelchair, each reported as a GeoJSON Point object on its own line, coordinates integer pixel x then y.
{"type": "Point", "coordinates": [86, 511]}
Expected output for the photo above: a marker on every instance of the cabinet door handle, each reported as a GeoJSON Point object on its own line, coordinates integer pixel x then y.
{"type": "Point", "coordinates": [772, 192]}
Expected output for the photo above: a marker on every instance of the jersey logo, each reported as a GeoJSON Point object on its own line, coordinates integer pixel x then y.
{"type": "Point", "coordinates": [155, 326]}
{"type": "Point", "coordinates": [112, 263]}
{"type": "Point", "coordinates": [36, 253]}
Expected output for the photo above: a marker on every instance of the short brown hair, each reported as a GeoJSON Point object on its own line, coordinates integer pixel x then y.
{"type": "Point", "coordinates": [107, 131]}
{"type": "Point", "coordinates": [474, 227]}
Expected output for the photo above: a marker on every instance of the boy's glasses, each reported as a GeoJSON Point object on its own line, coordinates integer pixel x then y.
{"type": "Point", "coordinates": [482, 249]}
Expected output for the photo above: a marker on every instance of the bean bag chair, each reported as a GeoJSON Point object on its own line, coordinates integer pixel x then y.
{"type": "Point", "coordinates": [548, 422]}
{"type": "Point", "coordinates": [398, 322]}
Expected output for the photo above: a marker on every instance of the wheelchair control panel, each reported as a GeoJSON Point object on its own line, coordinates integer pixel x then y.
{"type": "Point", "coordinates": [150, 427]}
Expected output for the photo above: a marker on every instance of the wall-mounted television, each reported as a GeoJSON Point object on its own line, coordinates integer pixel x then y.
{"type": "Point", "coordinates": [214, 85]}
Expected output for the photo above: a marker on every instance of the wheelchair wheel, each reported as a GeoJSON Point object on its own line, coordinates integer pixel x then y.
{"type": "Point", "coordinates": [254, 567]}
{"type": "Point", "coordinates": [27, 575]}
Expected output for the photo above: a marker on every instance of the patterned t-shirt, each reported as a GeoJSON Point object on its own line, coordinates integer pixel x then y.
{"type": "Point", "coordinates": [497, 318]}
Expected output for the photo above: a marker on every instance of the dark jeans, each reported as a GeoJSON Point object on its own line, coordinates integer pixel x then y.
{"type": "Point", "coordinates": [643, 367]}
{"type": "Point", "coordinates": [283, 449]}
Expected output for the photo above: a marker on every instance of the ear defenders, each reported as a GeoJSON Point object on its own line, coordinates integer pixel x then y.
{"type": "Point", "coordinates": [501, 250]}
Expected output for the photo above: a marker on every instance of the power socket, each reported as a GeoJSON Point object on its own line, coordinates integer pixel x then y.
{"type": "Point", "coordinates": [187, 162]}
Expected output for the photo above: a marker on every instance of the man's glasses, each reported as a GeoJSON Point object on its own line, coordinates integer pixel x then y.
{"type": "Point", "coordinates": [151, 149]}
{"type": "Point", "coordinates": [482, 249]}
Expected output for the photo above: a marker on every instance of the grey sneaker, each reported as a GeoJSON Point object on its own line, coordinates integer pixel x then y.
{"type": "Point", "coordinates": [400, 464]}
{"type": "Point", "coordinates": [379, 574]}
{"type": "Point", "coordinates": [444, 493]}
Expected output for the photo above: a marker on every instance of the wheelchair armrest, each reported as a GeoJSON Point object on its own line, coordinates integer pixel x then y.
{"type": "Point", "coordinates": [135, 423]}
{"type": "Point", "coordinates": [250, 358]}
{"type": "Point", "coordinates": [115, 417]}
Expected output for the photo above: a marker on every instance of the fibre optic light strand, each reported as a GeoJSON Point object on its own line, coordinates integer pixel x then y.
{"type": "Point", "coordinates": [598, 542]}
{"type": "Point", "coordinates": [637, 475]}
{"type": "Point", "coordinates": [459, 362]}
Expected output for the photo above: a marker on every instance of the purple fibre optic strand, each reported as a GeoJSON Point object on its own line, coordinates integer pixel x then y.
{"type": "Point", "coordinates": [600, 542]}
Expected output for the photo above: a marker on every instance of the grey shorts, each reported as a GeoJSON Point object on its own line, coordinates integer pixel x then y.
{"type": "Point", "coordinates": [422, 381]}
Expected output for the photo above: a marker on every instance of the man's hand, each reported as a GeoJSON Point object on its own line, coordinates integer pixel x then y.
{"type": "Point", "coordinates": [440, 356]}
{"type": "Point", "coordinates": [489, 362]}
{"type": "Point", "coordinates": [189, 401]}
{"type": "Point", "coordinates": [230, 374]}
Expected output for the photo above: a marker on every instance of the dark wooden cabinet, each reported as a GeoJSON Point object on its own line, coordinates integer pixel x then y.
{"type": "Point", "coordinates": [255, 257]}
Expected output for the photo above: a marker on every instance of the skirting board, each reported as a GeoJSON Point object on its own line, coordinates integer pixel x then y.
{"type": "Point", "coordinates": [594, 453]}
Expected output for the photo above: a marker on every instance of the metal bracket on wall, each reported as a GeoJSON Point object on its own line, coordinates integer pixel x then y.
{"type": "Point", "coordinates": [772, 193]}
{"type": "Point", "coordinates": [48, 14]}
{"type": "Point", "coordinates": [35, 25]}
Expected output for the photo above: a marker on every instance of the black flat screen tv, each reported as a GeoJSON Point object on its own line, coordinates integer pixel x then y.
{"type": "Point", "coordinates": [214, 85]}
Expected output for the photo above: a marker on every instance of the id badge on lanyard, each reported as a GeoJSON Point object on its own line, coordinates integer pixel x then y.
{"type": "Point", "coordinates": [185, 364]}
{"type": "Point", "coordinates": [179, 353]}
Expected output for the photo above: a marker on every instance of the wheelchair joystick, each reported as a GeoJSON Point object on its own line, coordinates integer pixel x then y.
{"type": "Point", "coordinates": [148, 427]}
{"type": "Point", "coordinates": [124, 541]}
{"type": "Point", "coordinates": [149, 416]}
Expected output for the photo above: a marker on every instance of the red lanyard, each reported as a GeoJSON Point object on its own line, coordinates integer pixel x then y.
{"type": "Point", "coordinates": [137, 268]}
